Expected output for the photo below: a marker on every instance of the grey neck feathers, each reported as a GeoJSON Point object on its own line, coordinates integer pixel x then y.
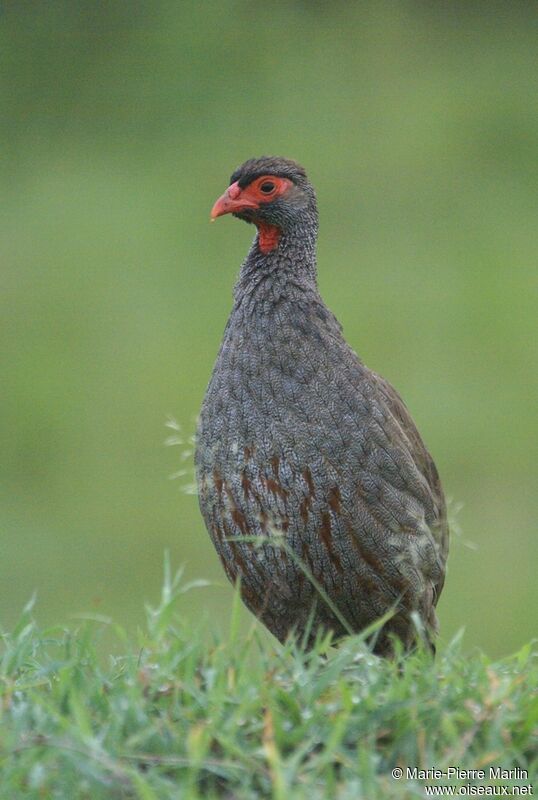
{"type": "Point", "coordinates": [287, 272]}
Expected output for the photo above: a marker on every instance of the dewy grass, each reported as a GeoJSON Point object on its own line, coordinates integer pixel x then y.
{"type": "Point", "coordinates": [185, 715]}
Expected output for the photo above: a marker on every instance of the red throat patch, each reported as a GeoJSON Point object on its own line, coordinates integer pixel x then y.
{"type": "Point", "coordinates": [268, 236]}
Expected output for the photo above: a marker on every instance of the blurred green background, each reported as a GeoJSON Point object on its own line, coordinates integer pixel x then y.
{"type": "Point", "coordinates": [120, 125]}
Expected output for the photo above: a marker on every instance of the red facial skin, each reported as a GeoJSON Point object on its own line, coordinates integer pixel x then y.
{"type": "Point", "coordinates": [235, 200]}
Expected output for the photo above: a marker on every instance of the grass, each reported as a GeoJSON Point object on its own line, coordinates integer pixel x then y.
{"type": "Point", "coordinates": [184, 715]}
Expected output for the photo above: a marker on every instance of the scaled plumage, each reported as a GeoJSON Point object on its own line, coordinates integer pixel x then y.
{"type": "Point", "coordinates": [308, 463]}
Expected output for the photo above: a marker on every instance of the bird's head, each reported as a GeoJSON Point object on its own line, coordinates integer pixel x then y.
{"type": "Point", "coordinates": [273, 193]}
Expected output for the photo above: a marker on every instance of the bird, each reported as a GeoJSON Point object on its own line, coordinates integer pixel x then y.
{"type": "Point", "coordinates": [315, 486]}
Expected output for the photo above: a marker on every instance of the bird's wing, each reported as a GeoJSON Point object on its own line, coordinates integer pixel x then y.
{"type": "Point", "coordinates": [424, 463]}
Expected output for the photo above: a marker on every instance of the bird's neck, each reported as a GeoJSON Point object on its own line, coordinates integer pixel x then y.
{"type": "Point", "coordinates": [280, 264]}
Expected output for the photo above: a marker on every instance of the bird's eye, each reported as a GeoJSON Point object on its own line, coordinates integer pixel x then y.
{"type": "Point", "coordinates": [267, 187]}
